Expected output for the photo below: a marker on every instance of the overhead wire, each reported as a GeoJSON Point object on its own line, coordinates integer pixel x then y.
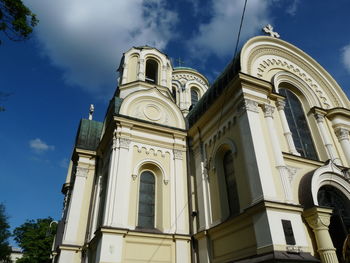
{"type": "Point", "coordinates": [225, 91]}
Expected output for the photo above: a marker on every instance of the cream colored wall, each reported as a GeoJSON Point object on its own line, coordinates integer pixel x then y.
{"type": "Point", "coordinates": [162, 206]}
{"type": "Point", "coordinates": [133, 68]}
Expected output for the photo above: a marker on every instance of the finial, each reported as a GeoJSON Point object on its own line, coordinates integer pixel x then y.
{"type": "Point", "coordinates": [91, 111]}
{"type": "Point", "coordinates": [268, 29]}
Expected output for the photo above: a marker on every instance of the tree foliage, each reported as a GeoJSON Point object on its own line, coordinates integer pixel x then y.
{"type": "Point", "coordinates": [16, 20]}
{"type": "Point", "coordinates": [5, 249]}
{"type": "Point", "coordinates": [35, 237]}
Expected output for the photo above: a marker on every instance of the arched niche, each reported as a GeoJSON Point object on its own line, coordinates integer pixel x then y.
{"type": "Point", "coordinates": [152, 106]}
{"type": "Point", "coordinates": [223, 191]}
{"type": "Point", "coordinates": [263, 57]}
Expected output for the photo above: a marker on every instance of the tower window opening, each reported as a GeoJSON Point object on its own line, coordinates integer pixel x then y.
{"type": "Point", "coordinates": [194, 97]}
{"type": "Point", "coordinates": [151, 71]}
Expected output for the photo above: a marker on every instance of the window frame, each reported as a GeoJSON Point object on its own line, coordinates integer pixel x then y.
{"type": "Point", "coordinates": [155, 199]}
{"type": "Point", "coordinates": [296, 129]}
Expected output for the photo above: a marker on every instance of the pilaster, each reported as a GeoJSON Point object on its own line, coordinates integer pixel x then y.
{"type": "Point", "coordinates": [256, 157]}
{"type": "Point", "coordinates": [276, 148]}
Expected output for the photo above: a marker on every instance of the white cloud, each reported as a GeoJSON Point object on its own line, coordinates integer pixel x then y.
{"type": "Point", "coordinates": [219, 35]}
{"type": "Point", "coordinates": [40, 146]}
{"type": "Point", "coordinates": [64, 163]}
{"type": "Point", "coordinates": [346, 57]}
{"type": "Point", "coordinates": [292, 9]}
{"type": "Point", "coordinates": [87, 38]}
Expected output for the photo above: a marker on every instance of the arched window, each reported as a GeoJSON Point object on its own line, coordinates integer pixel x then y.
{"type": "Point", "coordinates": [231, 186]}
{"type": "Point", "coordinates": [298, 125]}
{"type": "Point", "coordinates": [146, 200]}
{"type": "Point", "coordinates": [174, 93]}
{"type": "Point", "coordinates": [151, 71]}
{"type": "Point", "coordinates": [194, 96]}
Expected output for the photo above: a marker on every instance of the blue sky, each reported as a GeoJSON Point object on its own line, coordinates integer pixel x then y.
{"type": "Point", "coordinates": [71, 59]}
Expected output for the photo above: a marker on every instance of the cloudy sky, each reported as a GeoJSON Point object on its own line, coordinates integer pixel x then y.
{"type": "Point", "coordinates": [71, 60]}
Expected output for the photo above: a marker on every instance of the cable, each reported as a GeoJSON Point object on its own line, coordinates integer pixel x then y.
{"type": "Point", "coordinates": [234, 58]}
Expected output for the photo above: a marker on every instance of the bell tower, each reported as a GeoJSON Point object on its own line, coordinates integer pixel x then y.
{"type": "Point", "coordinates": [142, 68]}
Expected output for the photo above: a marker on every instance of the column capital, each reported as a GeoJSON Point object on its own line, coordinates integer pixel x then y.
{"type": "Point", "coordinates": [81, 172]}
{"type": "Point", "coordinates": [268, 110]}
{"type": "Point", "coordinates": [318, 218]}
{"type": "Point", "coordinates": [247, 105]}
{"type": "Point", "coordinates": [124, 143]}
{"type": "Point", "coordinates": [342, 133]}
{"type": "Point", "coordinates": [280, 103]}
{"type": "Point", "coordinates": [319, 117]}
{"type": "Point", "coordinates": [178, 154]}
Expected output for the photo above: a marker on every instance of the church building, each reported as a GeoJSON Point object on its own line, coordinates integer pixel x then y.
{"type": "Point", "coordinates": [252, 168]}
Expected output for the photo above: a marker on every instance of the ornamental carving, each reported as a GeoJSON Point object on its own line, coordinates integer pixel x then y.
{"type": "Point", "coordinates": [124, 143]}
{"type": "Point", "coordinates": [178, 154]}
{"type": "Point", "coordinates": [81, 172]}
{"type": "Point", "coordinates": [319, 117]}
{"type": "Point", "coordinates": [319, 221]}
{"type": "Point", "coordinates": [268, 110]}
{"type": "Point", "coordinates": [188, 77]}
{"type": "Point", "coordinates": [292, 171]}
{"type": "Point", "coordinates": [342, 134]}
{"type": "Point", "coordinates": [282, 60]}
{"type": "Point", "coordinates": [280, 104]}
{"type": "Point", "coordinates": [248, 105]}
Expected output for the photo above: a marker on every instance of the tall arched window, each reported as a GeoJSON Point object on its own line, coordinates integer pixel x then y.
{"type": "Point", "coordinates": [194, 96]}
{"type": "Point", "coordinates": [174, 93]}
{"type": "Point", "coordinates": [231, 186]}
{"type": "Point", "coordinates": [298, 125]}
{"type": "Point", "coordinates": [146, 200]}
{"type": "Point", "coordinates": [151, 71]}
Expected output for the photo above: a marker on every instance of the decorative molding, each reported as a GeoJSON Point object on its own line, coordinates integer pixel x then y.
{"type": "Point", "coordinates": [134, 176]}
{"type": "Point", "coordinates": [178, 154]}
{"type": "Point", "coordinates": [81, 172]}
{"type": "Point", "coordinates": [284, 60]}
{"type": "Point", "coordinates": [187, 77]}
{"type": "Point", "coordinates": [166, 181]}
{"type": "Point", "coordinates": [268, 110]}
{"type": "Point", "coordinates": [342, 134]}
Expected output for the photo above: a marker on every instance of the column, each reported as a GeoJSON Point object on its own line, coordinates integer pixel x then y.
{"type": "Point", "coordinates": [97, 197]}
{"type": "Point", "coordinates": [277, 152]}
{"type": "Point", "coordinates": [286, 131]}
{"type": "Point", "coordinates": [343, 138]}
{"type": "Point", "coordinates": [319, 219]}
{"type": "Point", "coordinates": [141, 69]}
{"type": "Point", "coordinates": [326, 138]}
{"type": "Point", "coordinates": [164, 76]}
{"type": "Point", "coordinates": [257, 162]}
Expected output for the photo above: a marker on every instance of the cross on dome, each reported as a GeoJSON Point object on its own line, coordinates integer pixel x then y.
{"type": "Point", "coordinates": [268, 29]}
